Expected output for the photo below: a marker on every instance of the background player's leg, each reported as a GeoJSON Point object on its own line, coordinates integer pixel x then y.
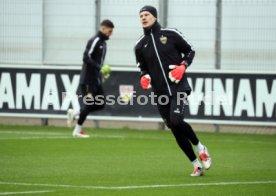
{"type": "Point", "coordinates": [89, 104]}
{"type": "Point", "coordinates": [87, 109]}
{"type": "Point", "coordinates": [73, 113]}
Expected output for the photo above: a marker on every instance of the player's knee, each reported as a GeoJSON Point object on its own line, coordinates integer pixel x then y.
{"type": "Point", "coordinates": [177, 133]}
{"type": "Point", "coordinates": [176, 121]}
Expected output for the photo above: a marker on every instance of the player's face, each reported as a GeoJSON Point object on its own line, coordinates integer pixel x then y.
{"type": "Point", "coordinates": [106, 30]}
{"type": "Point", "coordinates": [147, 19]}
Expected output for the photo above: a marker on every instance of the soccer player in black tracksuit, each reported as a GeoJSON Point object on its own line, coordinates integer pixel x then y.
{"type": "Point", "coordinates": [91, 78]}
{"type": "Point", "coordinates": [163, 55]}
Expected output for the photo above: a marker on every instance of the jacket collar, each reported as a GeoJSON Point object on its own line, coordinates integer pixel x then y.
{"type": "Point", "coordinates": [102, 36]}
{"type": "Point", "coordinates": [154, 28]}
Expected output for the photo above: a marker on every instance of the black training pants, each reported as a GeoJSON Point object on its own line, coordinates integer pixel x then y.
{"type": "Point", "coordinates": [90, 102]}
{"type": "Point", "coordinates": [173, 116]}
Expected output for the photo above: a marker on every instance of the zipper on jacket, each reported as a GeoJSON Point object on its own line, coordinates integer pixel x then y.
{"type": "Point", "coordinates": [160, 63]}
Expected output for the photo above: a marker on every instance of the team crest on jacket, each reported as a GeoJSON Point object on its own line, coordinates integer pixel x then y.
{"type": "Point", "coordinates": [163, 39]}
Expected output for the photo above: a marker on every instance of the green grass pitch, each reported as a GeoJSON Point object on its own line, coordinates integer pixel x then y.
{"type": "Point", "coordinates": [48, 161]}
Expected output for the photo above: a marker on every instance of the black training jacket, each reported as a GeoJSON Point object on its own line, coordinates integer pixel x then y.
{"type": "Point", "coordinates": [156, 50]}
{"type": "Point", "coordinates": [93, 58]}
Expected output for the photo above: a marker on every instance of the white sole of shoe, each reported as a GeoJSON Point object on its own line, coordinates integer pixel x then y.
{"type": "Point", "coordinates": [81, 136]}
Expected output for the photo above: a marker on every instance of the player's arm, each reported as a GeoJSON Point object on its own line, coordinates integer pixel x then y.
{"type": "Point", "coordinates": [140, 62]}
{"type": "Point", "coordinates": [145, 80]}
{"type": "Point", "coordinates": [184, 47]}
{"type": "Point", "coordinates": [90, 47]}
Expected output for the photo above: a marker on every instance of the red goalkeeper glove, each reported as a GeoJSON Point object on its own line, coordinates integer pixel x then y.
{"type": "Point", "coordinates": [177, 72]}
{"type": "Point", "coordinates": [145, 82]}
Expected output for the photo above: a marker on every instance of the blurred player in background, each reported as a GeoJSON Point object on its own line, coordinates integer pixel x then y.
{"type": "Point", "coordinates": [163, 55]}
{"type": "Point", "coordinates": [92, 74]}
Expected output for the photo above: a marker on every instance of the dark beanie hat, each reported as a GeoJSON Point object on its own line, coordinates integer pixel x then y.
{"type": "Point", "coordinates": [150, 9]}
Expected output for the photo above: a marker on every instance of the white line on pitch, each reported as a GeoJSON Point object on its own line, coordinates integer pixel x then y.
{"type": "Point", "coordinates": [35, 138]}
{"type": "Point", "coordinates": [24, 192]}
{"type": "Point", "coordinates": [62, 137]}
{"type": "Point", "coordinates": [45, 135]}
{"type": "Point", "coordinates": [31, 133]}
{"type": "Point", "coordinates": [244, 141]}
{"type": "Point", "coordinates": [140, 186]}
